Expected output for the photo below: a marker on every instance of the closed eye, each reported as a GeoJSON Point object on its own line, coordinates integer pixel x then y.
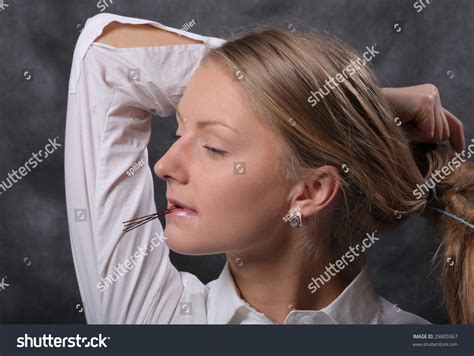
{"type": "Point", "coordinates": [213, 152]}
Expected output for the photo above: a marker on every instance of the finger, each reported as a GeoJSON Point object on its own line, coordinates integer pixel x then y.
{"type": "Point", "coordinates": [441, 122]}
{"type": "Point", "coordinates": [446, 130]}
{"type": "Point", "coordinates": [425, 124]}
{"type": "Point", "coordinates": [456, 127]}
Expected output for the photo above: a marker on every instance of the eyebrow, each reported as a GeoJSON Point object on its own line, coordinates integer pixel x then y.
{"type": "Point", "coordinates": [208, 122]}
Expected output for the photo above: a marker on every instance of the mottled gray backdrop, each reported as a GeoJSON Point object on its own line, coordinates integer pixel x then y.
{"type": "Point", "coordinates": [37, 41]}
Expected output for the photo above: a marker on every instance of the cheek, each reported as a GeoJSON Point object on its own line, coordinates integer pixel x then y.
{"type": "Point", "coordinates": [235, 210]}
{"type": "Point", "coordinates": [239, 207]}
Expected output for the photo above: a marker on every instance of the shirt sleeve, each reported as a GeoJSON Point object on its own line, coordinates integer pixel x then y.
{"type": "Point", "coordinates": [123, 277]}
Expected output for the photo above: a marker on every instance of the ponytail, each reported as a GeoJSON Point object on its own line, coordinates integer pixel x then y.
{"type": "Point", "coordinates": [450, 210]}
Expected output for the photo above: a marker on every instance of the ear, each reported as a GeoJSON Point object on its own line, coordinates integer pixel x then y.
{"type": "Point", "coordinates": [317, 191]}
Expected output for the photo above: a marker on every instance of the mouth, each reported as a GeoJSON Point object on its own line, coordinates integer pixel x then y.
{"type": "Point", "coordinates": [180, 207]}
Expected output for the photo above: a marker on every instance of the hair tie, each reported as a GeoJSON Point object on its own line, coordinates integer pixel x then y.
{"type": "Point", "coordinates": [434, 197]}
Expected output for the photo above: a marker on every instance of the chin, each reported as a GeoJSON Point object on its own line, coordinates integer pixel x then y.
{"type": "Point", "coordinates": [179, 242]}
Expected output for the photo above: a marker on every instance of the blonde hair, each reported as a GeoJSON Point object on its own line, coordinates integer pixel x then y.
{"type": "Point", "coordinates": [355, 126]}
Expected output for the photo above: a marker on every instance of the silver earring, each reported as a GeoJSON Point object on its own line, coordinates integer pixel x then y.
{"type": "Point", "coordinates": [294, 217]}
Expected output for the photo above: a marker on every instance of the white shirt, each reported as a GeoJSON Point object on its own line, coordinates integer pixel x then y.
{"type": "Point", "coordinates": [128, 277]}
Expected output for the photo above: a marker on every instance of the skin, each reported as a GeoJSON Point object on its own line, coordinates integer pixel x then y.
{"type": "Point", "coordinates": [264, 258]}
{"type": "Point", "coordinates": [421, 105]}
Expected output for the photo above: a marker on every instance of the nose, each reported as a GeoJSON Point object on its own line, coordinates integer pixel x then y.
{"type": "Point", "coordinates": [171, 164]}
{"type": "Point", "coordinates": [159, 169]}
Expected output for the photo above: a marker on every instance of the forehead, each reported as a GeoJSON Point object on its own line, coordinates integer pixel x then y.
{"type": "Point", "coordinates": [213, 94]}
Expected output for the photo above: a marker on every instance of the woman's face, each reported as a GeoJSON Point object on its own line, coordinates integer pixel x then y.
{"type": "Point", "coordinates": [228, 173]}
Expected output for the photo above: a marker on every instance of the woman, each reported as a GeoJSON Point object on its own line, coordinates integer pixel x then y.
{"type": "Point", "coordinates": [292, 193]}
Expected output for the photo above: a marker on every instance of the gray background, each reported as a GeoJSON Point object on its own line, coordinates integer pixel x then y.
{"type": "Point", "coordinates": [40, 36]}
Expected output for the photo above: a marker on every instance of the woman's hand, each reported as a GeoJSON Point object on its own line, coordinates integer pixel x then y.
{"type": "Point", "coordinates": [423, 117]}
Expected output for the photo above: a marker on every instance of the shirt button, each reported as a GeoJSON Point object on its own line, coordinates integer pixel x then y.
{"type": "Point", "coordinates": [307, 319]}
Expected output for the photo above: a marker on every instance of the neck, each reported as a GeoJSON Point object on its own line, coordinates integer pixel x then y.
{"type": "Point", "coordinates": [276, 282]}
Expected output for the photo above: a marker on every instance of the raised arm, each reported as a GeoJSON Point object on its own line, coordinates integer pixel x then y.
{"type": "Point", "coordinates": [121, 35]}
{"type": "Point", "coordinates": [123, 277]}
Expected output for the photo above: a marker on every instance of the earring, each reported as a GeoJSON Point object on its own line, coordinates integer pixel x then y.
{"type": "Point", "coordinates": [294, 217]}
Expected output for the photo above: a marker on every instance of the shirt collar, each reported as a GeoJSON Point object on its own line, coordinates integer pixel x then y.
{"type": "Point", "coordinates": [224, 300]}
{"type": "Point", "coordinates": [357, 304]}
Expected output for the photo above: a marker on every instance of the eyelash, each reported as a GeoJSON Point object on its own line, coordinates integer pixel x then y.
{"type": "Point", "coordinates": [213, 152]}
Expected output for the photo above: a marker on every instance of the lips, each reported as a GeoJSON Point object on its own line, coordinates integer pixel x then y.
{"type": "Point", "coordinates": [179, 204]}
